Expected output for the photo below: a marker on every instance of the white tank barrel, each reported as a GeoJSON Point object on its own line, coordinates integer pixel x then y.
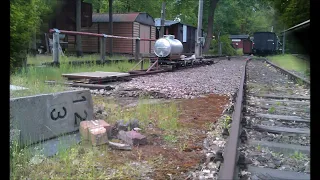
{"type": "Point", "coordinates": [168, 45]}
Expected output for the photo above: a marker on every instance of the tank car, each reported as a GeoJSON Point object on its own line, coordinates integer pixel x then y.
{"type": "Point", "coordinates": [168, 50]}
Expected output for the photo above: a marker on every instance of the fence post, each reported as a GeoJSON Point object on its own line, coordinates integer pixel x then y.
{"type": "Point", "coordinates": [103, 48]}
{"type": "Point", "coordinates": [55, 47]}
{"type": "Point", "coordinates": [137, 50]}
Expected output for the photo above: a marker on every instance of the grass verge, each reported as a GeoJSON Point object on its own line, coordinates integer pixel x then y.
{"type": "Point", "coordinates": [290, 62]}
{"type": "Point", "coordinates": [33, 77]}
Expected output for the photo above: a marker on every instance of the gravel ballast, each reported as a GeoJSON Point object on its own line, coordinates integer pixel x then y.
{"type": "Point", "coordinates": [222, 77]}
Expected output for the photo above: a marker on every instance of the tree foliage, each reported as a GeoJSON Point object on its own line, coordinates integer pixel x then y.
{"type": "Point", "coordinates": [25, 18]}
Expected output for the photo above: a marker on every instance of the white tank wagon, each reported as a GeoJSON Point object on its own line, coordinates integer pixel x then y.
{"type": "Point", "coordinates": [167, 46]}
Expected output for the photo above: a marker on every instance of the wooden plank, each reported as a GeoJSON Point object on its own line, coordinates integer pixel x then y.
{"type": "Point", "coordinates": [95, 75]}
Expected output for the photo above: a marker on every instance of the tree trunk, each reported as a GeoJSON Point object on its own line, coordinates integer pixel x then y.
{"type": "Point", "coordinates": [213, 5]}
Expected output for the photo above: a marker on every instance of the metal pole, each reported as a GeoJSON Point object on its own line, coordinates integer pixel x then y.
{"type": "Point", "coordinates": [137, 50]}
{"type": "Point", "coordinates": [55, 49]}
{"type": "Point", "coordinates": [219, 44]}
{"type": "Point", "coordinates": [110, 26]}
{"type": "Point", "coordinates": [162, 19]}
{"type": "Point", "coordinates": [78, 27]}
{"type": "Point", "coordinates": [198, 46]}
{"type": "Point", "coordinates": [284, 41]}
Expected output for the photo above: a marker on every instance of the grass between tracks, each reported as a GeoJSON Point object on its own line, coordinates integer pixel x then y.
{"type": "Point", "coordinates": [34, 77]}
{"type": "Point", "coordinates": [290, 62]}
{"type": "Point", "coordinates": [174, 133]}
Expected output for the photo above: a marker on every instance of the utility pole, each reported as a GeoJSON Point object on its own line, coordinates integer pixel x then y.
{"type": "Point", "coordinates": [78, 27]}
{"type": "Point", "coordinates": [219, 44]}
{"type": "Point", "coordinates": [199, 30]}
{"type": "Point", "coordinates": [163, 13]}
{"type": "Point", "coordinates": [110, 26]}
{"type": "Point", "coordinates": [284, 41]}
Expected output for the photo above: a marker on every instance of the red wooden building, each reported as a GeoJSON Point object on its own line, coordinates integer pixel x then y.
{"type": "Point", "coordinates": [237, 40]}
{"type": "Point", "coordinates": [136, 24]}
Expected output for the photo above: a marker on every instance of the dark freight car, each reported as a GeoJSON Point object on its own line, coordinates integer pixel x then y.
{"type": "Point", "coordinates": [265, 43]}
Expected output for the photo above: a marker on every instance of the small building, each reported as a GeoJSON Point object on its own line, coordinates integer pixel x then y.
{"type": "Point", "coordinates": [183, 32]}
{"type": "Point", "coordinates": [237, 40]}
{"type": "Point", "coordinates": [64, 18]}
{"type": "Point", "coordinates": [137, 24]}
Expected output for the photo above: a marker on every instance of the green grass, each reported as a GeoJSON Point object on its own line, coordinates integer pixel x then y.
{"type": "Point", "coordinates": [39, 59]}
{"type": "Point", "coordinates": [290, 62]}
{"type": "Point", "coordinates": [34, 77]}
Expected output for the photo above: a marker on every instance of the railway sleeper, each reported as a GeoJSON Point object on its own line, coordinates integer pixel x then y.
{"type": "Point", "coordinates": [296, 119]}
{"type": "Point", "coordinates": [281, 130]}
{"type": "Point", "coordinates": [258, 173]}
{"type": "Point", "coordinates": [285, 149]}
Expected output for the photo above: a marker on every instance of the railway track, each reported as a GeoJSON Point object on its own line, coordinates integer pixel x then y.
{"type": "Point", "coordinates": [270, 129]}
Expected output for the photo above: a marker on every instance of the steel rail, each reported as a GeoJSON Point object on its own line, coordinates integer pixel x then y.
{"type": "Point", "coordinates": [291, 75]}
{"type": "Point", "coordinates": [228, 169]}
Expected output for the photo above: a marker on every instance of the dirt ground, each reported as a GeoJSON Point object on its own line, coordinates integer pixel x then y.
{"type": "Point", "coordinates": [176, 159]}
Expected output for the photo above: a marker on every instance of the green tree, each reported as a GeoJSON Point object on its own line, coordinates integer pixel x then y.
{"type": "Point", "coordinates": [25, 18]}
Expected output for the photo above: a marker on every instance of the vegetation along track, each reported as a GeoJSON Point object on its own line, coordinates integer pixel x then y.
{"type": "Point", "coordinates": [270, 130]}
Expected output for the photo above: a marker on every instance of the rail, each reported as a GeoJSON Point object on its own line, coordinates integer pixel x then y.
{"type": "Point", "coordinates": [231, 155]}
{"type": "Point", "coordinates": [229, 166]}
{"type": "Point", "coordinates": [56, 32]}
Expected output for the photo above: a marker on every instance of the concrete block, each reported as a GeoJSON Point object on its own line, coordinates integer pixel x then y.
{"type": "Point", "coordinates": [43, 117]}
{"type": "Point", "coordinates": [98, 136]}
{"type": "Point", "coordinates": [86, 125]}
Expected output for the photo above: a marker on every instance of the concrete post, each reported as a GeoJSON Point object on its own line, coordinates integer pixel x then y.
{"type": "Point", "coordinates": [198, 46]}
{"type": "Point", "coordinates": [103, 49]}
{"type": "Point", "coordinates": [55, 45]}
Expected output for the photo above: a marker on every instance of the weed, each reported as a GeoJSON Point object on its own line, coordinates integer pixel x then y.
{"type": "Point", "coordinates": [299, 82]}
{"type": "Point", "coordinates": [272, 110]}
{"type": "Point", "coordinates": [258, 147]}
{"type": "Point", "coordinates": [278, 103]}
{"type": "Point", "coordinates": [170, 138]}
{"type": "Point", "coordinates": [227, 121]}
{"type": "Point", "coordinates": [298, 155]}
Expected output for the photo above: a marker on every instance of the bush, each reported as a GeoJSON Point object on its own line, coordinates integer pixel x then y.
{"type": "Point", "coordinates": [227, 48]}
{"type": "Point", "coordinates": [25, 18]}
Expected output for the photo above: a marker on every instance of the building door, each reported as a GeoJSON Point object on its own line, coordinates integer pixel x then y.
{"type": "Point", "coordinates": [144, 34]}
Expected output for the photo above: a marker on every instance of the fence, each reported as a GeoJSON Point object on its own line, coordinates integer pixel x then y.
{"type": "Point", "coordinates": [103, 41]}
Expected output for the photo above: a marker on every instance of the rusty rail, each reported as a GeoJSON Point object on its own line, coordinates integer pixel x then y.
{"type": "Point", "coordinates": [290, 75]}
{"type": "Point", "coordinates": [228, 168]}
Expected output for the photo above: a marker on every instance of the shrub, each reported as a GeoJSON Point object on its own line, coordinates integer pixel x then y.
{"type": "Point", "coordinates": [227, 48]}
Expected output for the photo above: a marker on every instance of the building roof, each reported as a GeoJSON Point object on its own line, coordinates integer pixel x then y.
{"type": "Point", "coordinates": [130, 17]}
{"type": "Point", "coordinates": [141, 17]}
{"type": "Point", "coordinates": [241, 36]}
{"type": "Point", "coordinates": [157, 23]}
{"type": "Point", "coordinates": [298, 26]}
